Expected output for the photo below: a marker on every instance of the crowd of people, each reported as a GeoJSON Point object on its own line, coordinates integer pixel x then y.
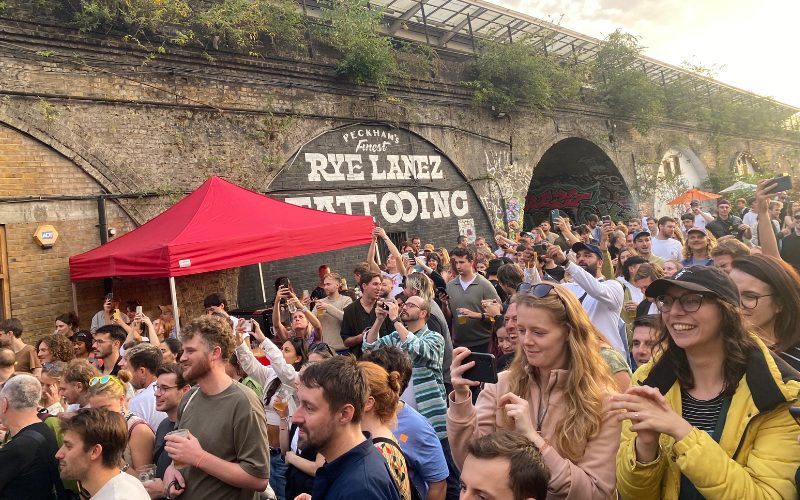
{"type": "Point", "coordinates": [613, 359]}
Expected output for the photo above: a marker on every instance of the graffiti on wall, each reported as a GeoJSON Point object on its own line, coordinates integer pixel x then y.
{"type": "Point", "coordinates": [578, 196]}
{"type": "Point", "coordinates": [507, 179]}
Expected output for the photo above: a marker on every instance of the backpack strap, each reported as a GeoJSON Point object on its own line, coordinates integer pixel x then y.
{"type": "Point", "coordinates": [415, 495]}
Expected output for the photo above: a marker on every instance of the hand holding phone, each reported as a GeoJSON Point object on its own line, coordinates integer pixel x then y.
{"type": "Point", "coordinates": [781, 183]}
{"type": "Point", "coordinates": [485, 369]}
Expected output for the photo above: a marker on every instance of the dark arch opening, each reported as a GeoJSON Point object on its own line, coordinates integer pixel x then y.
{"type": "Point", "coordinates": [578, 178]}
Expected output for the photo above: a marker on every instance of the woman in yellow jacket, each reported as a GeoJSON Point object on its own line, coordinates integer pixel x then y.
{"type": "Point", "coordinates": [708, 418]}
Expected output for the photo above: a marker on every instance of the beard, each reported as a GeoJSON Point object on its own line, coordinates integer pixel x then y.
{"type": "Point", "coordinates": [317, 439]}
{"type": "Point", "coordinates": [197, 370]}
{"type": "Point", "coordinates": [589, 268]}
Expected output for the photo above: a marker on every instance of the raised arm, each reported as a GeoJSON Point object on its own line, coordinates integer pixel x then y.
{"type": "Point", "coordinates": [372, 252]}
{"type": "Point", "coordinates": [280, 330]}
{"type": "Point", "coordinates": [766, 236]}
{"type": "Point", "coordinates": [566, 232]}
{"type": "Point", "coordinates": [392, 250]}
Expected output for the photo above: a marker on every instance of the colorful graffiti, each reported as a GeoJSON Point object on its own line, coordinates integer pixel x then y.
{"type": "Point", "coordinates": [578, 178]}
{"type": "Point", "coordinates": [507, 183]}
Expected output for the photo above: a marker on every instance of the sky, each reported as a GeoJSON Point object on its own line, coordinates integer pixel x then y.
{"type": "Point", "coordinates": [751, 44]}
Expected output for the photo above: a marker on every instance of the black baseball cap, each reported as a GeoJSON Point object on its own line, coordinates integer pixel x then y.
{"type": "Point", "coordinates": [707, 279]}
{"type": "Point", "coordinates": [587, 246]}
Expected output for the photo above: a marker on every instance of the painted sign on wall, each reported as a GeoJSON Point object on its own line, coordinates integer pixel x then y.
{"type": "Point", "coordinates": [380, 171]}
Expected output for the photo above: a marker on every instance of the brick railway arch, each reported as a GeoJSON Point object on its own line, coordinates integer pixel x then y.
{"type": "Point", "coordinates": [578, 177]}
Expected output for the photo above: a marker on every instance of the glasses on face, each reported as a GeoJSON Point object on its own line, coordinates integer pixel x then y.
{"type": "Point", "coordinates": [750, 300]}
{"type": "Point", "coordinates": [407, 305]}
{"type": "Point", "coordinates": [160, 389]}
{"type": "Point", "coordinates": [690, 302]}
{"type": "Point", "coordinates": [99, 342]}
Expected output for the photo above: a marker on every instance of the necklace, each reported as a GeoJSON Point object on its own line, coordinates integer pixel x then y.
{"type": "Point", "coordinates": [540, 414]}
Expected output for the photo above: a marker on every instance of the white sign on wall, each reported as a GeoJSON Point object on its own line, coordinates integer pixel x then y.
{"type": "Point", "coordinates": [398, 179]}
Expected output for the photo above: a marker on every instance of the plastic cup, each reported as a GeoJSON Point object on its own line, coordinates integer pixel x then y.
{"type": "Point", "coordinates": [146, 473]}
{"type": "Point", "coordinates": [184, 433]}
{"type": "Point", "coordinates": [462, 320]}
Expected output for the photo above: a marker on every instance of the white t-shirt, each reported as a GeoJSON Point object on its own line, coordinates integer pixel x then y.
{"type": "Point", "coordinates": [143, 405]}
{"type": "Point", "coordinates": [667, 249]}
{"type": "Point", "coordinates": [751, 219]}
{"type": "Point", "coordinates": [465, 284]}
{"type": "Point", "coordinates": [700, 221]}
{"type": "Point", "coordinates": [123, 485]}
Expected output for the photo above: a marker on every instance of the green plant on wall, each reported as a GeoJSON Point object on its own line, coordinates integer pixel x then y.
{"type": "Point", "coordinates": [352, 27]}
{"type": "Point", "coordinates": [622, 85]}
{"type": "Point", "coordinates": [241, 24]}
{"type": "Point", "coordinates": [506, 75]}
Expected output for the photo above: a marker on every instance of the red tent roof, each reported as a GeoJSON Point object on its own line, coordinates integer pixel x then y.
{"type": "Point", "coordinates": [220, 226]}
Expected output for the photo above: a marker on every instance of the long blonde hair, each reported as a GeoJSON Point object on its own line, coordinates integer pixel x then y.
{"type": "Point", "coordinates": [589, 381]}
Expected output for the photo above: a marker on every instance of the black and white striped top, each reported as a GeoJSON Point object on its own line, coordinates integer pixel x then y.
{"type": "Point", "coordinates": [701, 414]}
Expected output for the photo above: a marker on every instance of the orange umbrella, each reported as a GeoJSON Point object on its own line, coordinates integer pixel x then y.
{"type": "Point", "coordinates": [692, 194]}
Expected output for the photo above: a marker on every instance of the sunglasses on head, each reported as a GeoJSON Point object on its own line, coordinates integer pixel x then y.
{"type": "Point", "coordinates": [540, 290]}
{"type": "Point", "coordinates": [104, 379]}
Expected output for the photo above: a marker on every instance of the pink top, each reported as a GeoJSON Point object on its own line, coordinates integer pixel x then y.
{"type": "Point", "coordinates": [591, 477]}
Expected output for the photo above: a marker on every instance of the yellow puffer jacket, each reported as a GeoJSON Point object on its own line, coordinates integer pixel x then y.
{"type": "Point", "coordinates": [757, 455]}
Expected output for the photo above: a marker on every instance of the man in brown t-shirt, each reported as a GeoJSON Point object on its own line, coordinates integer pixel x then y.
{"type": "Point", "coordinates": [11, 337]}
{"type": "Point", "coordinates": [227, 450]}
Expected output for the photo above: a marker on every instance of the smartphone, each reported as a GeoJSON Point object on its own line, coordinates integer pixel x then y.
{"type": "Point", "coordinates": [554, 214]}
{"type": "Point", "coordinates": [283, 282]}
{"type": "Point", "coordinates": [110, 297]}
{"type": "Point", "coordinates": [412, 257]}
{"type": "Point", "coordinates": [606, 219]}
{"type": "Point", "coordinates": [248, 326]}
{"type": "Point", "coordinates": [782, 182]}
{"type": "Point", "coordinates": [541, 248]}
{"type": "Point", "coordinates": [117, 315]}
{"type": "Point", "coordinates": [794, 411]}
{"type": "Point", "coordinates": [485, 369]}
{"type": "Point", "coordinates": [138, 309]}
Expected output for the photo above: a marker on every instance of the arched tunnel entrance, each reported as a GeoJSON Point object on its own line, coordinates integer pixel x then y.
{"type": "Point", "coordinates": [578, 178]}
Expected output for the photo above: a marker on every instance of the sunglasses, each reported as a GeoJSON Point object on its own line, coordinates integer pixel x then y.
{"type": "Point", "coordinates": [320, 347]}
{"type": "Point", "coordinates": [540, 291]}
{"type": "Point", "coordinates": [104, 379]}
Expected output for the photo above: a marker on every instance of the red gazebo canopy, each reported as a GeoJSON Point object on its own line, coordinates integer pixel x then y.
{"type": "Point", "coordinates": [220, 226]}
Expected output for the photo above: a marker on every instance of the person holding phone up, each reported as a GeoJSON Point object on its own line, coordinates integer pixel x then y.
{"type": "Point", "coordinates": [556, 393]}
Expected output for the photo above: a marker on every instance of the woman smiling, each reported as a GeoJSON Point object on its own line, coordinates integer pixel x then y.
{"type": "Point", "coordinates": [556, 393]}
{"type": "Point", "coordinates": [708, 418]}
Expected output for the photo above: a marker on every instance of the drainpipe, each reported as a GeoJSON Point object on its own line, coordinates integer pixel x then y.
{"type": "Point", "coordinates": [102, 225]}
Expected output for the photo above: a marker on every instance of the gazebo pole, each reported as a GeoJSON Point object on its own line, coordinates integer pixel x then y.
{"type": "Point", "coordinates": [174, 304]}
{"type": "Point", "coordinates": [74, 299]}
{"type": "Point", "coordinates": [263, 290]}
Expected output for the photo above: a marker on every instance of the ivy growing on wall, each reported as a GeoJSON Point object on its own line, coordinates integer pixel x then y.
{"type": "Point", "coordinates": [504, 76]}
{"type": "Point", "coordinates": [507, 75]}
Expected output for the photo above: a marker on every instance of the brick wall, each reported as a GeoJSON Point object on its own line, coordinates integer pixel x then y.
{"type": "Point", "coordinates": [120, 127]}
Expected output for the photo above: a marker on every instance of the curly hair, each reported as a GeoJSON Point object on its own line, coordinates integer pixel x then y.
{"type": "Point", "coordinates": [589, 381]}
{"type": "Point", "coordinates": [60, 347]}
{"type": "Point", "coordinates": [711, 242]}
{"type": "Point", "coordinates": [213, 331]}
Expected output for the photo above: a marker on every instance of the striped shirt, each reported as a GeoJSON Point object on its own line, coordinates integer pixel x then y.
{"type": "Point", "coordinates": [701, 414]}
{"type": "Point", "coordinates": [426, 350]}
